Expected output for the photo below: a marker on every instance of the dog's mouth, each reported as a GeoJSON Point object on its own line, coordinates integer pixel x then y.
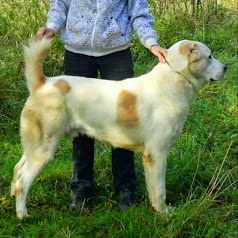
{"type": "Point", "coordinates": [211, 80]}
{"type": "Point", "coordinates": [219, 76]}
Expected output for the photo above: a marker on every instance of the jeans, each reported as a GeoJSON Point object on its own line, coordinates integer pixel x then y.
{"type": "Point", "coordinates": [115, 66]}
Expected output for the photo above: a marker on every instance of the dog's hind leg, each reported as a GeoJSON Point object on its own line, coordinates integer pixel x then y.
{"type": "Point", "coordinates": [29, 167]}
{"type": "Point", "coordinates": [18, 166]}
{"type": "Point", "coordinates": [155, 170]}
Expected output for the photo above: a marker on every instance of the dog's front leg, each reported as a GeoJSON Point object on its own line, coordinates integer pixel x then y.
{"type": "Point", "coordinates": [155, 170]}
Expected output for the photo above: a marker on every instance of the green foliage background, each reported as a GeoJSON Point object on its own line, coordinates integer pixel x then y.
{"type": "Point", "coordinates": [202, 166]}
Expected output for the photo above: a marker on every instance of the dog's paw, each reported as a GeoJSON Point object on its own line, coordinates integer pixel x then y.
{"type": "Point", "coordinates": [22, 214]}
{"type": "Point", "coordinates": [165, 210]}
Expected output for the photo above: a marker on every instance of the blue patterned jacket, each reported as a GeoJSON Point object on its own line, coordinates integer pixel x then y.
{"type": "Point", "coordinates": [100, 27]}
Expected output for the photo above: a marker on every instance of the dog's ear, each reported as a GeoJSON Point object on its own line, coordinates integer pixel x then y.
{"type": "Point", "coordinates": [190, 49]}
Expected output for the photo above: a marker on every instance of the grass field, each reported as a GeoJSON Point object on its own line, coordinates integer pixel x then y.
{"type": "Point", "coordinates": [202, 166]}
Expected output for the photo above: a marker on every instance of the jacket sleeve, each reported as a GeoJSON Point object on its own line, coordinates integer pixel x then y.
{"type": "Point", "coordinates": [56, 17]}
{"type": "Point", "coordinates": [142, 22]}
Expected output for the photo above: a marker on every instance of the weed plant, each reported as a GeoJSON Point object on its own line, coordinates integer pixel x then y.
{"type": "Point", "coordinates": [202, 166]}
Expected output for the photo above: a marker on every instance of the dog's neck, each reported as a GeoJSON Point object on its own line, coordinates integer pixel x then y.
{"type": "Point", "coordinates": [175, 71]}
{"type": "Point", "coordinates": [195, 86]}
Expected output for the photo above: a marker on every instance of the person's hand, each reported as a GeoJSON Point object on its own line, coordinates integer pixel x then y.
{"type": "Point", "coordinates": [160, 52]}
{"type": "Point", "coordinates": [45, 32]}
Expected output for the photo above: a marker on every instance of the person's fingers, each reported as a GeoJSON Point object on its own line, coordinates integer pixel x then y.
{"type": "Point", "coordinates": [161, 58]}
{"type": "Point", "coordinates": [49, 33]}
{"type": "Point", "coordinates": [160, 52]}
{"type": "Point", "coordinates": [163, 55]}
{"type": "Point", "coordinates": [164, 52]}
{"type": "Point", "coordinates": [45, 32]}
{"type": "Point", "coordinates": [41, 32]}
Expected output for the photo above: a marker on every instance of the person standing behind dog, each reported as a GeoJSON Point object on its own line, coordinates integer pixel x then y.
{"type": "Point", "coordinates": [97, 36]}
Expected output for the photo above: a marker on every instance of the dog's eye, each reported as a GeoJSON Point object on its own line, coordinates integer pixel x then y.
{"type": "Point", "coordinates": [209, 56]}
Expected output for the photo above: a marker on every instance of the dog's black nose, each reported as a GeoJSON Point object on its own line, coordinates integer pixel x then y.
{"type": "Point", "coordinates": [225, 68]}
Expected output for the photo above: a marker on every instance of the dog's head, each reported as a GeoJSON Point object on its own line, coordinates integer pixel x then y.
{"type": "Point", "coordinates": [191, 58]}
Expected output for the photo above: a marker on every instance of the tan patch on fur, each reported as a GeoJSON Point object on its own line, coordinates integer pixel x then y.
{"type": "Point", "coordinates": [190, 49]}
{"type": "Point", "coordinates": [63, 86]}
{"type": "Point", "coordinates": [31, 126]}
{"type": "Point", "coordinates": [41, 82]}
{"type": "Point", "coordinates": [19, 165]}
{"type": "Point", "coordinates": [19, 188]}
{"type": "Point", "coordinates": [147, 159]}
{"type": "Point", "coordinates": [132, 147]}
{"type": "Point", "coordinates": [127, 109]}
{"type": "Point", "coordinates": [186, 48]}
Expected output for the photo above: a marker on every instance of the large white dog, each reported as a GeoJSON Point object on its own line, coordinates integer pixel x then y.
{"type": "Point", "coordinates": [144, 114]}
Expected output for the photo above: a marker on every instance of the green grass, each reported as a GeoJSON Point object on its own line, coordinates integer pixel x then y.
{"type": "Point", "coordinates": [202, 167]}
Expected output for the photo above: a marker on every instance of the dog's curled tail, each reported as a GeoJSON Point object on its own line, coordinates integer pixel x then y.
{"type": "Point", "coordinates": [35, 55]}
